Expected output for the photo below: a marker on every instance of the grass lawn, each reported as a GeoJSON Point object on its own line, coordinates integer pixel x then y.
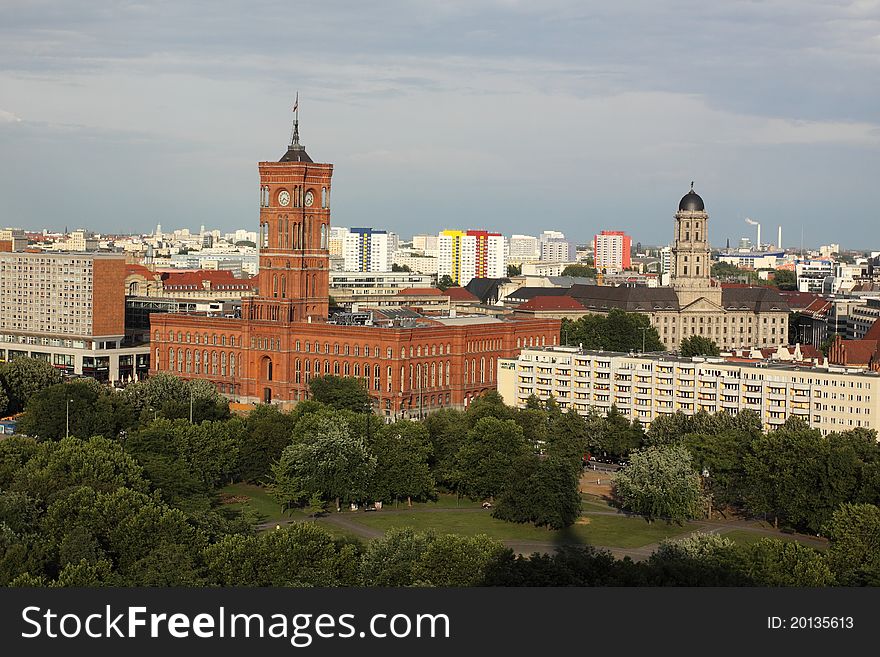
{"type": "Point", "coordinates": [259, 500]}
{"type": "Point", "coordinates": [593, 503]}
{"type": "Point", "coordinates": [744, 537]}
{"type": "Point", "coordinates": [606, 531]}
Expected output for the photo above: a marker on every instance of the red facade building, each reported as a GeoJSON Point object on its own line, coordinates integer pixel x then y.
{"type": "Point", "coordinates": [410, 365]}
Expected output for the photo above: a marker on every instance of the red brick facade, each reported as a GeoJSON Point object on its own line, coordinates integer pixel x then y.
{"type": "Point", "coordinates": [283, 338]}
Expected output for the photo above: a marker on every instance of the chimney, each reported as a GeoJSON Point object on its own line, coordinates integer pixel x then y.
{"type": "Point", "coordinates": [779, 238]}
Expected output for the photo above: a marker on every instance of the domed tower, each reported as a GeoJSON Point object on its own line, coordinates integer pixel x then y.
{"type": "Point", "coordinates": [690, 250]}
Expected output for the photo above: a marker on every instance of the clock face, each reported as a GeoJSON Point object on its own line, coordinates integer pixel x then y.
{"type": "Point", "coordinates": [309, 199]}
{"type": "Point", "coordinates": [284, 197]}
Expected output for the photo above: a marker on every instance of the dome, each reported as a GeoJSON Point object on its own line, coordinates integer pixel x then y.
{"type": "Point", "coordinates": [691, 202]}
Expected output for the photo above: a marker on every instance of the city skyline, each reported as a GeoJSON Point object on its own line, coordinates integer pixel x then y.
{"type": "Point", "coordinates": [483, 114]}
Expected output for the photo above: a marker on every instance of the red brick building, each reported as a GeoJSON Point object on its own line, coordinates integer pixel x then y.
{"type": "Point", "coordinates": [410, 365]}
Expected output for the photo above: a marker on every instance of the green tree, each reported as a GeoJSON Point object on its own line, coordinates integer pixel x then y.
{"type": "Point", "coordinates": [613, 435]}
{"type": "Point", "coordinates": [84, 405]}
{"type": "Point", "coordinates": [396, 267]}
{"type": "Point", "coordinates": [615, 331]}
{"type": "Point", "coordinates": [402, 452]}
{"type": "Point", "coordinates": [23, 377]}
{"type": "Point", "coordinates": [267, 432]}
{"type": "Point", "coordinates": [446, 282]}
{"type": "Point", "coordinates": [297, 555]}
{"type": "Point", "coordinates": [773, 562]}
{"type": "Point", "coordinates": [579, 271]}
{"type": "Point", "coordinates": [333, 464]}
{"type": "Point", "coordinates": [447, 430]}
{"type": "Point", "coordinates": [660, 482]}
{"type": "Point", "coordinates": [547, 496]}
{"type": "Point", "coordinates": [489, 456]}
{"type": "Point", "coordinates": [514, 270]}
{"type": "Point", "coordinates": [854, 553]}
{"type": "Point", "coordinates": [341, 393]}
{"type": "Point", "coordinates": [173, 398]}
{"type": "Point", "coordinates": [785, 279]}
{"type": "Point", "coordinates": [697, 345]}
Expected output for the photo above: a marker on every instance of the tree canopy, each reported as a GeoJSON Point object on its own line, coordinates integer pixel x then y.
{"type": "Point", "coordinates": [615, 331]}
{"type": "Point", "coordinates": [697, 345]}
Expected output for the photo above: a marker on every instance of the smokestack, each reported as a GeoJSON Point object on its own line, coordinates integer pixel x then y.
{"type": "Point", "coordinates": [752, 222]}
{"type": "Point", "coordinates": [779, 238]}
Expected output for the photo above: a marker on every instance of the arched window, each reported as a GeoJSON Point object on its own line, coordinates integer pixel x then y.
{"type": "Point", "coordinates": [180, 360]}
{"type": "Point", "coordinates": [357, 369]}
{"type": "Point", "coordinates": [336, 367]}
{"type": "Point", "coordinates": [170, 359]}
{"type": "Point", "coordinates": [214, 362]}
{"type": "Point", "coordinates": [198, 361]}
{"type": "Point", "coordinates": [326, 367]}
{"type": "Point", "coordinates": [157, 336]}
{"type": "Point", "coordinates": [390, 353]}
{"type": "Point", "coordinates": [347, 368]}
{"type": "Point", "coordinates": [433, 375]}
{"type": "Point", "coordinates": [447, 372]}
{"type": "Point", "coordinates": [402, 352]}
{"type": "Point", "coordinates": [323, 236]}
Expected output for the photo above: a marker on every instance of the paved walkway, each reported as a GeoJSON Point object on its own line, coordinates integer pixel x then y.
{"type": "Point", "coordinates": [348, 522]}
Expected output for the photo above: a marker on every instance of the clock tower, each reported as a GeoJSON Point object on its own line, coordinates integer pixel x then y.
{"type": "Point", "coordinates": [294, 279]}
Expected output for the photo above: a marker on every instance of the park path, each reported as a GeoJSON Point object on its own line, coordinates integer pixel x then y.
{"type": "Point", "coordinates": [347, 522]}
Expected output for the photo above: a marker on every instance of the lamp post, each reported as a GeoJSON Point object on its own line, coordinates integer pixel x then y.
{"type": "Point", "coordinates": [67, 418]}
{"type": "Point", "coordinates": [644, 330]}
{"type": "Point", "coordinates": [123, 435]}
{"type": "Point", "coordinates": [708, 491]}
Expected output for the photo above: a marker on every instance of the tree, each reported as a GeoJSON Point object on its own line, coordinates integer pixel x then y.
{"type": "Point", "coordinates": [447, 431]}
{"type": "Point", "coordinates": [488, 457]}
{"type": "Point", "coordinates": [246, 243]}
{"type": "Point", "coordinates": [267, 432]}
{"type": "Point", "coordinates": [514, 270]}
{"type": "Point", "coordinates": [23, 377]}
{"type": "Point", "coordinates": [298, 555]}
{"type": "Point", "coordinates": [446, 282]}
{"type": "Point", "coordinates": [660, 482]}
{"type": "Point", "coordinates": [546, 496]}
{"type": "Point", "coordinates": [615, 331]}
{"type": "Point", "coordinates": [854, 553]}
{"type": "Point", "coordinates": [614, 434]}
{"type": "Point", "coordinates": [173, 397]}
{"type": "Point", "coordinates": [697, 345]}
{"type": "Point", "coordinates": [825, 345]}
{"type": "Point", "coordinates": [579, 271]}
{"type": "Point", "coordinates": [402, 451]}
{"type": "Point", "coordinates": [333, 464]}
{"type": "Point", "coordinates": [84, 406]}
{"type": "Point", "coordinates": [773, 562]}
{"type": "Point", "coordinates": [341, 393]}
{"type": "Point", "coordinates": [785, 279]}
{"type": "Point", "coordinates": [396, 267]}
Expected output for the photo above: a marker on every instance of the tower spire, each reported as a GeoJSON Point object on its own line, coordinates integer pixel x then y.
{"type": "Point", "coordinates": [294, 137]}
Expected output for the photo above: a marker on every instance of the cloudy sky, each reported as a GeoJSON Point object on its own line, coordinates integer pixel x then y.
{"type": "Point", "coordinates": [503, 114]}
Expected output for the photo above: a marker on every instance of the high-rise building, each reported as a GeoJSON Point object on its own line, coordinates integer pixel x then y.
{"type": "Point", "coordinates": [611, 250]}
{"type": "Point", "coordinates": [427, 244]}
{"type": "Point", "coordinates": [557, 250]}
{"type": "Point", "coordinates": [18, 241]}
{"type": "Point", "coordinates": [366, 249]}
{"type": "Point", "coordinates": [524, 248]}
{"type": "Point", "coordinates": [69, 310]}
{"type": "Point", "coordinates": [464, 255]}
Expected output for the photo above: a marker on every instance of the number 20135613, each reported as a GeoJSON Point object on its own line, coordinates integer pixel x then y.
{"type": "Point", "coordinates": [810, 623]}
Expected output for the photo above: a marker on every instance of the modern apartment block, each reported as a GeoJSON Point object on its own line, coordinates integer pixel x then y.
{"type": "Point", "coordinates": [611, 250]}
{"type": "Point", "coordinates": [367, 249]}
{"type": "Point", "coordinates": [464, 255]}
{"type": "Point", "coordinates": [68, 309]}
{"type": "Point", "coordinates": [646, 386]}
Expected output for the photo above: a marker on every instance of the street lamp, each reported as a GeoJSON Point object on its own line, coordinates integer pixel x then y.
{"type": "Point", "coordinates": [67, 418]}
{"type": "Point", "coordinates": [705, 475]}
{"type": "Point", "coordinates": [123, 435]}
{"type": "Point", "coordinates": [644, 330]}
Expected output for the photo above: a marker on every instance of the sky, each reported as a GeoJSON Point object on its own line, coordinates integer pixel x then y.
{"type": "Point", "coordinates": [507, 115]}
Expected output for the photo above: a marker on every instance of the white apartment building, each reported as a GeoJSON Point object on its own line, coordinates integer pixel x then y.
{"type": "Point", "coordinates": [611, 250]}
{"type": "Point", "coordinates": [524, 248]}
{"type": "Point", "coordinates": [416, 262]}
{"type": "Point", "coordinates": [811, 274]}
{"type": "Point", "coordinates": [647, 386]}
{"type": "Point", "coordinates": [556, 250]}
{"type": "Point", "coordinates": [367, 249]}
{"type": "Point", "coordinates": [427, 244]}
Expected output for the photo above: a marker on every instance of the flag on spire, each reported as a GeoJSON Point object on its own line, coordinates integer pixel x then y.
{"type": "Point", "coordinates": [296, 102]}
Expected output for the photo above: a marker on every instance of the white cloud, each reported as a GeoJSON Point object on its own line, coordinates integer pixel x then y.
{"type": "Point", "coordinates": [9, 117]}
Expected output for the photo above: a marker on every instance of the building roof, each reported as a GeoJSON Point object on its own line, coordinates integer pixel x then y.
{"type": "Point", "coordinates": [798, 300]}
{"type": "Point", "coordinates": [691, 202]}
{"type": "Point", "coordinates": [544, 303]}
{"type": "Point", "coordinates": [139, 269]}
{"type": "Point", "coordinates": [755, 299]}
{"type": "Point", "coordinates": [641, 298]}
{"type": "Point", "coordinates": [527, 292]}
{"type": "Point", "coordinates": [485, 288]}
{"type": "Point", "coordinates": [218, 279]}
{"type": "Point", "coordinates": [420, 291]}
{"type": "Point", "coordinates": [819, 308]}
{"type": "Point", "coordinates": [459, 294]}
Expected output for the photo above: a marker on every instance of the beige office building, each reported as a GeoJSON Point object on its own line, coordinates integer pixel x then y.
{"type": "Point", "coordinates": [647, 386]}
